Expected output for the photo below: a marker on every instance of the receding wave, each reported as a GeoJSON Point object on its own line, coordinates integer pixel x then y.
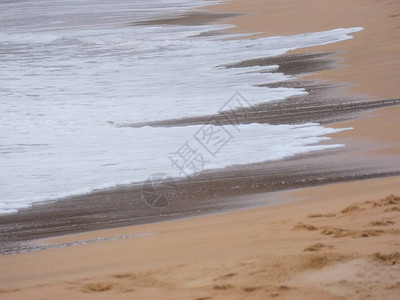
{"type": "Point", "coordinates": [65, 86]}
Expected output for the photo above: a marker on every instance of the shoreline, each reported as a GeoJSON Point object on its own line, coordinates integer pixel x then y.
{"type": "Point", "coordinates": [234, 188]}
{"type": "Point", "coordinates": [124, 206]}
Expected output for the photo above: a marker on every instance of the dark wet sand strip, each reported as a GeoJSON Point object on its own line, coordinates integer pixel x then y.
{"type": "Point", "coordinates": [209, 192]}
{"type": "Point", "coordinates": [197, 18]}
{"type": "Point", "coordinates": [314, 107]}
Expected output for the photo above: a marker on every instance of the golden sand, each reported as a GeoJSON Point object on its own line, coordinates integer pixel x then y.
{"type": "Point", "coordinates": [339, 240]}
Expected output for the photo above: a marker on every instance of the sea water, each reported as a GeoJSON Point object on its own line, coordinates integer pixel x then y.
{"type": "Point", "coordinates": [72, 71]}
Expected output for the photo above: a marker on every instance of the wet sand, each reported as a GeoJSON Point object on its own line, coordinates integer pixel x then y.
{"type": "Point", "coordinates": [212, 192]}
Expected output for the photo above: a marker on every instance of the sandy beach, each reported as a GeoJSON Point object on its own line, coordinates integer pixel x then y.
{"type": "Point", "coordinates": [333, 241]}
{"type": "Point", "coordinates": [336, 241]}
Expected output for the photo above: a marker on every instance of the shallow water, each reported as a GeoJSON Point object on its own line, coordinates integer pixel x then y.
{"type": "Point", "coordinates": [72, 71]}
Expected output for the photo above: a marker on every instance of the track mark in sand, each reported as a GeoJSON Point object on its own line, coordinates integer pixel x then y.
{"type": "Point", "coordinates": [336, 232]}
{"type": "Point", "coordinates": [390, 200]}
{"type": "Point", "coordinates": [223, 287]}
{"type": "Point", "coordinates": [315, 215]}
{"type": "Point", "coordinates": [320, 260]}
{"type": "Point", "coordinates": [330, 215]}
{"type": "Point", "coordinates": [123, 282]}
{"type": "Point", "coordinates": [284, 288]}
{"type": "Point", "coordinates": [9, 291]}
{"type": "Point", "coordinates": [351, 209]}
{"type": "Point", "coordinates": [249, 289]}
{"type": "Point", "coordinates": [97, 287]}
{"type": "Point", "coordinates": [273, 295]}
{"type": "Point", "coordinates": [382, 223]}
{"type": "Point", "coordinates": [227, 276]}
{"type": "Point", "coordinates": [302, 226]}
{"type": "Point", "coordinates": [387, 259]}
{"type": "Point", "coordinates": [317, 247]}
{"type": "Point", "coordinates": [392, 209]}
{"type": "Point", "coordinates": [277, 291]}
{"type": "Point", "coordinates": [124, 276]}
{"type": "Point", "coordinates": [273, 291]}
{"type": "Point", "coordinates": [339, 232]}
{"type": "Point", "coordinates": [394, 286]}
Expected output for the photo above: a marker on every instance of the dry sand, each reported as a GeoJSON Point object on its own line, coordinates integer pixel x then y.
{"type": "Point", "coordinates": [340, 240]}
{"type": "Point", "coordinates": [372, 58]}
{"type": "Point", "coordinates": [324, 246]}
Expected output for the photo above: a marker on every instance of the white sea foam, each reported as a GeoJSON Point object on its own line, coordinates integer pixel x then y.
{"type": "Point", "coordinates": [63, 79]}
